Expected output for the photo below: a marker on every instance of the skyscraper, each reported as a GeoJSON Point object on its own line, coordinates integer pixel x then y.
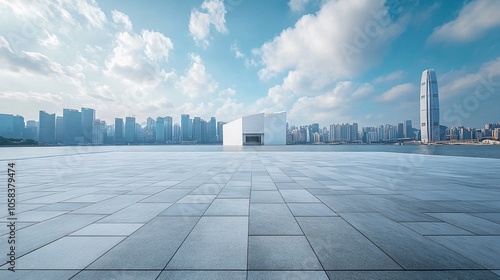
{"type": "Point", "coordinates": [408, 129]}
{"type": "Point", "coordinates": [119, 131]}
{"type": "Point", "coordinates": [168, 129]}
{"type": "Point", "coordinates": [59, 129]}
{"type": "Point", "coordinates": [160, 130]}
{"type": "Point", "coordinates": [212, 138]}
{"type": "Point", "coordinates": [130, 130]}
{"type": "Point", "coordinates": [186, 133]}
{"type": "Point", "coordinates": [429, 107]}
{"type": "Point", "coordinates": [197, 129]}
{"type": "Point", "coordinates": [47, 127]}
{"type": "Point", "coordinates": [88, 117]}
{"type": "Point", "coordinates": [220, 134]}
{"type": "Point", "coordinates": [72, 126]}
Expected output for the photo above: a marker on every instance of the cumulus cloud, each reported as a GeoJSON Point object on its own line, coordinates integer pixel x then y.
{"type": "Point", "coordinates": [486, 81]}
{"type": "Point", "coordinates": [136, 57]}
{"type": "Point", "coordinates": [473, 21]}
{"type": "Point", "coordinates": [297, 5]}
{"type": "Point", "coordinates": [341, 41]}
{"type": "Point", "coordinates": [213, 13]}
{"type": "Point", "coordinates": [334, 104]}
{"type": "Point", "coordinates": [390, 77]}
{"type": "Point", "coordinates": [27, 62]}
{"type": "Point", "coordinates": [398, 91]}
{"type": "Point", "coordinates": [196, 82]}
{"type": "Point", "coordinates": [122, 19]}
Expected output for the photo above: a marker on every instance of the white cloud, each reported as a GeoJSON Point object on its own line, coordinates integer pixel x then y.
{"type": "Point", "coordinates": [236, 51]}
{"type": "Point", "coordinates": [390, 77]}
{"type": "Point", "coordinates": [137, 57]}
{"type": "Point", "coordinates": [459, 83]}
{"type": "Point", "coordinates": [228, 92]}
{"type": "Point", "coordinates": [200, 21]}
{"type": "Point", "coordinates": [342, 40]}
{"type": "Point", "coordinates": [475, 18]}
{"type": "Point", "coordinates": [399, 91]}
{"type": "Point", "coordinates": [51, 41]}
{"type": "Point", "coordinates": [297, 5]}
{"type": "Point", "coordinates": [27, 62]}
{"type": "Point", "coordinates": [121, 18]}
{"type": "Point", "coordinates": [196, 82]}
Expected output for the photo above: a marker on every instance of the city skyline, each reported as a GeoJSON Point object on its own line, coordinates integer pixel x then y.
{"type": "Point", "coordinates": [212, 58]}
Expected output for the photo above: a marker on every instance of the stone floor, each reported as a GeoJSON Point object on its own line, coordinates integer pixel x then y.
{"type": "Point", "coordinates": [255, 215]}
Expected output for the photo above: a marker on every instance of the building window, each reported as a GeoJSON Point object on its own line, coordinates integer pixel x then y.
{"type": "Point", "coordinates": [423, 124]}
{"type": "Point", "coordinates": [422, 96]}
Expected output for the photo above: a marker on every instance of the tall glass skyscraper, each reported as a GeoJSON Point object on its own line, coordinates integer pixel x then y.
{"type": "Point", "coordinates": [429, 107]}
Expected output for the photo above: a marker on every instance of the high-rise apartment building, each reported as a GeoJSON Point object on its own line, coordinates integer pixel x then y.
{"type": "Point", "coordinates": [185, 128]}
{"type": "Point", "coordinates": [72, 120]}
{"type": "Point", "coordinates": [160, 130]}
{"type": "Point", "coordinates": [429, 107]}
{"type": "Point", "coordinates": [130, 130]}
{"type": "Point", "coordinates": [47, 128]}
{"type": "Point", "coordinates": [119, 135]}
{"type": "Point", "coordinates": [88, 118]}
{"type": "Point", "coordinates": [168, 129]}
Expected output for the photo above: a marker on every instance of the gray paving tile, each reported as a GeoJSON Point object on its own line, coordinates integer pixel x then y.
{"type": "Point", "coordinates": [208, 189]}
{"type": "Point", "coordinates": [484, 250]}
{"type": "Point", "coordinates": [214, 243]}
{"type": "Point", "coordinates": [412, 275]}
{"type": "Point", "coordinates": [266, 197]}
{"type": "Point", "coordinates": [108, 229]}
{"type": "Point", "coordinates": [470, 223]}
{"type": "Point", "coordinates": [497, 272]}
{"type": "Point", "coordinates": [344, 203]}
{"type": "Point", "coordinates": [228, 207]}
{"type": "Point", "coordinates": [150, 247]}
{"type": "Point", "coordinates": [287, 275]}
{"type": "Point", "coordinates": [492, 217]}
{"type": "Point", "coordinates": [281, 253]}
{"type": "Point", "coordinates": [310, 209]}
{"type": "Point", "coordinates": [64, 206]}
{"type": "Point", "coordinates": [328, 238]}
{"type": "Point", "coordinates": [272, 219]}
{"type": "Point", "coordinates": [137, 213]}
{"type": "Point", "coordinates": [38, 216]}
{"type": "Point", "coordinates": [91, 198]}
{"type": "Point", "coordinates": [111, 205]}
{"type": "Point", "coordinates": [235, 192]}
{"type": "Point", "coordinates": [264, 186]}
{"type": "Point", "coordinates": [297, 196]}
{"type": "Point", "coordinates": [42, 233]}
{"type": "Point", "coordinates": [21, 274]}
{"type": "Point", "coordinates": [436, 228]}
{"type": "Point", "coordinates": [284, 185]}
{"type": "Point", "coordinates": [408, 248]}
{"type": "Point", "coordinates": [186, 209]}
{"type": "Point", "coordinates": [116, 274]}
{"type": "Point", "coordinates": [197, 198]}
{"type": "Point", "coordinates": [68, 253]}
{"type": "Point", "coordinates": [169, 195]}
{"type": "Point", "coordinates": [203, 275]}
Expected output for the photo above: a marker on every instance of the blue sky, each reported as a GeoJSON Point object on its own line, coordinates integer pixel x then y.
{"type": "Point", "coordinates": [321, 61]}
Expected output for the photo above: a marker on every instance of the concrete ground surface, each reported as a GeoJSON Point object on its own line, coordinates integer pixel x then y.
{"type": "Point", "coordinates": [254, 215]}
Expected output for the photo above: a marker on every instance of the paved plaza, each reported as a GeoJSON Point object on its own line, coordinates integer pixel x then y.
{"type": "Point", "coordinates": [254, 215]}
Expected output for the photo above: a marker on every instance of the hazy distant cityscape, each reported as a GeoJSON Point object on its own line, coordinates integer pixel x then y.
{"type": "Point", "coordinates": [76, 127]}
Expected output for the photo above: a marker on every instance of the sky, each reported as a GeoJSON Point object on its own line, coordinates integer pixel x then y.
{"type": "Point", "coordinates": [321, 61]}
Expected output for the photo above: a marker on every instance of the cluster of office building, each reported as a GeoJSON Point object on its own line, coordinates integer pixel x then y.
{"type": "Point", "coordinates": [76, 127]}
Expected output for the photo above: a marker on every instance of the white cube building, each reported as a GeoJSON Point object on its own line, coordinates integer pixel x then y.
{"type": "Point", "coordinates": [257, 129]}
